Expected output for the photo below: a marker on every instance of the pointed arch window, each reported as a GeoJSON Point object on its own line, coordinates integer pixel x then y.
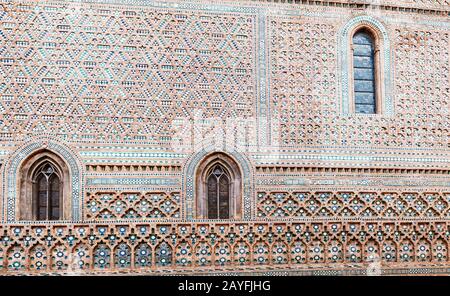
{"type": "Point", "coordinates": [47, 193]}
{"type": "Point", "coordinates": [218, 188]}
{"type": "Point", "coordinates": [44, 182]}
{"type": "Point", "coordinates": [218, 183]}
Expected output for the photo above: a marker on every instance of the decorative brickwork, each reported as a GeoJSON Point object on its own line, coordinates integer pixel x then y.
{"type": "Point", "coordinates": [362, 205]}
{"type": "Point", "coordinates": [81, 248]}
{"type": "Point", "coordinates": [306, 49]}
{"type": "Point", "coordinates": [134, 101]}
{"type": "Point", "coordinates": [122, 77]}
{"type": "Point", "coordinates": [428, 50]}
{"type": "Point", "coordinates": [124, 205]}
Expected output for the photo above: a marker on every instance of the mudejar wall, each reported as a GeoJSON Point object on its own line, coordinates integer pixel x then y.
{"type": "Point", "coordinates": [194, 136]}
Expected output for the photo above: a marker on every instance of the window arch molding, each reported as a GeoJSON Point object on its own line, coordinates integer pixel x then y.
{"type": "Point", "coordinates": [28, 174]}
{"type": "Point", "coordinates": [19, 158]}
{"type": "Point", "coordinates": [382, 57]}
{"type": "Point", "coordinates": [233, 172]}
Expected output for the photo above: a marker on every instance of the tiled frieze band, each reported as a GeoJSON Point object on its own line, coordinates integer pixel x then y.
{"type": "Point", "coordinates": [132, 181]}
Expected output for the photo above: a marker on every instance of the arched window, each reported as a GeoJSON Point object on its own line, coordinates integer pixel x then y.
{"type": "Point", "coordinates": [44, 181]}
{"type": "Point", "coordinates": [365, 65]}
{"type": "Point", "coordinates": [364, 72]}
{"type": "Point", "coordinates": [46, 193]}
{"type": "Point", "coordinates": [218, 184]}
{"type": "Point", "coordinates": [218, 188]}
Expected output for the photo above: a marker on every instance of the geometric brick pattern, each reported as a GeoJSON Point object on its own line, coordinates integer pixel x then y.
{"type": "Point", "coordinates": [121, 77]}
{"type": "Point", "coordinates": [362, 205]}
{"type": "Point", "coordinates": [81, 248]}
{"type": "Point", "coordinates": [129, 205]}
{"type": "Point", "coordinates": [300, 49]}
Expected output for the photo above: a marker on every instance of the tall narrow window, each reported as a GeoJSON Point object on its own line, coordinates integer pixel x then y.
{"type": "Point", "coordinates": [364, 72]}
{"type": "Point", "coordinates": [47, 193]}
{"type": "Point", "coordinates": [218, 193]}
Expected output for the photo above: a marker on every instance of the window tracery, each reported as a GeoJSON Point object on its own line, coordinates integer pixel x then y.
{"type": "Point", "coordinates": [218, 188]}
{"type": "Point", "coordinates": [44, 185]}
{"type": "Point", "coordinates": [47, 192]}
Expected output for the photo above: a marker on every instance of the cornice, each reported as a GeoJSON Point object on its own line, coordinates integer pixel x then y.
{"type": "Point", "coordinates": [438, 8]}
